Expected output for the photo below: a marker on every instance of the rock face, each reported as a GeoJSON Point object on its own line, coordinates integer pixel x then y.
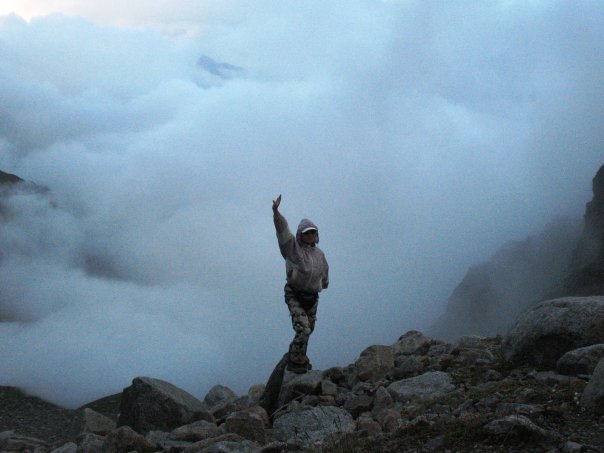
{"type": "Point", "coordinates": [554, 327]}
{"type": "Point", "coordinates": [152, 404]}
{"type": "Point", "coordinates": [593, 396]}
{"type": "Point", "coordinates": [493, 294]}
{"type": "Point", "coordinates": [587, 275]}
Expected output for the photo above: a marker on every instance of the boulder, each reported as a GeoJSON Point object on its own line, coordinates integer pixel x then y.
{"type": "Point", "coordinates": [580, 361]}
{"type": "Point", "coordinates": [226, 446]}
{"type": "Point", "coordinates": [95, 423]}
{"type": "Point", "coordinates": [10, 441]}
{"type": "Point", "coordinates": [412, 342]}
{"type": "Point", "coordinates": [310, 425]}
{"type": "Point", "coordinates": [204, 445]}
{"type": "Point", "coordinates": [432, 384]}
{"type": "Point", "coordinates": [554, 327]}
{"type": "Point", "coordinates": [90, 443]}
{"type": "Point", "coordinates": [69, 447]}
{"type": "Point", "coordinates": [195, 431]}
{"type": "Point", "coordinates": [124, 439]}
{"type": "Point", "coordinates": [592, 398]}
{"type": "Point", "coordinates": [250, 424]}
{"type": "Point", "coordinates": [218, 394]}
{"type": "Point", "coordinates": [295, 385]}
{"type": "Point", "coordinates": [152, 404]}
{"type": "Point", "coordinates": [518, 425]}
{"type": "Point", "coordinates": [375, 362]}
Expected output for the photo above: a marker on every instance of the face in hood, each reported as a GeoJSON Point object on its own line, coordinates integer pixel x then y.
{"type": "Point", "coordinates": [305, 223]}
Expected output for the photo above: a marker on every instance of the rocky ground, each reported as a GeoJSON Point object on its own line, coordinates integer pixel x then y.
{"type": "Point", "coordinates": [418, 394]}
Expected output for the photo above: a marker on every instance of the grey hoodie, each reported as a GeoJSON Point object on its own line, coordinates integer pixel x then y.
{"type": "Point", "coordinates": [305, 265]}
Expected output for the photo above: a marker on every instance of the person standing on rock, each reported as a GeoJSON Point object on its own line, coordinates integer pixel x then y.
{"type": "Point", "coordinates": [307, 274]}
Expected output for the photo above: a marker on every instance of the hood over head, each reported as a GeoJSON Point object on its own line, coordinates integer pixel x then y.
{"type": "Point", "coordinates": [304, 224]}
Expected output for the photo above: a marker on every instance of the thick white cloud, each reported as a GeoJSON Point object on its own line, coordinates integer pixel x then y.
{"type": "Point", "coordinates": [418, 137]}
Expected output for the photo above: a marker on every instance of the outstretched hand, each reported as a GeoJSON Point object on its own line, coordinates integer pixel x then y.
{"type": "Point", "coordinates": [276, 204]}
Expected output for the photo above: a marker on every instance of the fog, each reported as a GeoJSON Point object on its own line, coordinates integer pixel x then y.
{"type": "Point", "coordinates": [418, 136]}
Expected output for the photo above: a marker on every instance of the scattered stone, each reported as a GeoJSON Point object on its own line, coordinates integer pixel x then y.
{"type": "Point", "coordinates": [218, 394]}
{"type": "Point", "coordinates": [375, 362]}
{"type": "Point", "coordinates": [204, 445]}
{"type": "Point", "coordinates": [95, 423]}
{"type": "Point", "coordinates": [518, 425]}
{"type": "Point", "coordinates": [226, 446]}
{"type": "Point", "coordinates": [125, 439]}
{"type": "Point", "coordinates": [368, 425]}
{"type": "Point", "coordinates": [357, 404]}
{"type": "Point", "coordinates": [313, 424]}
{"type": "Point", "coordinates": [593, 395]}
{"type": "Point", "coordinates": [492, 375]}
{"type": "Point", "coordinates": [294, 385]}
{"type": "Point", "coordinates": [10, 441]}
{"type": "Point", "coordinates": [195, 431]}
{"type": "Point", "coordinates": [90, 443]}
{"type": "Point", "coordinates": [255, 393]}
{"type": "Point", "coordinates": [250, 424]}
{"type": "Point", "coordinates": [152, 404]}
{"type": "Point", "coordinates": [407, 366]}
{"type": "Point", "coordinates": [69, 447]}
{"type": "Point", "coordinates": [552, 328]}
{"type": "Point", "coordinates": [572, 447]}
{"type": "Point", "coordinates": [412, 342]}
{"type": "Point", "coordinates": [429, 385]}
{"type": "Point", "coordinates": [580, 361]}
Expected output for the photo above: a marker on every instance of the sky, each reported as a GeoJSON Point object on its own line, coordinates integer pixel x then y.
{"type": "Point", "coordinates": [418, 136]}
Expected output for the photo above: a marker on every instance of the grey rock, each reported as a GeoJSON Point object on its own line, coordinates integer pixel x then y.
{"type": "Point", "coordinates": [572, 447]}
{"type": "Point", "coordinates": [152, 404]}
{"type": "Point", "coordinates": [357, 404]}
{"type": "Point", "coordinates": [95, 423]}
{"type": "Point", "coordinates": [407, 366]}
{"type": "Point", "coordinates": [552, 328]}
{"type": "Point", "coordinates": [255, 393]}
{"type": "Point", "coordinates": [580, 361]}
{"type": "Point", "coordinates": [250, 424]}
{"type": "Point", "coordinates": [328, 388]}
{"type": "Point", "coordinates": [69, 447]}
{"type": "Point", "coordinates": [90, 443]}
{"type": "Point", "coordinates": [296, 385]}
{"type": "Point", "coordinates": [517, 425]}
{"type": "Point", "coordinates": [592, 398]}
{"type": "Point", "coordinates": [368, 425]}
{"type": "Point", "coordinates": [382, 400]}
{"type": "Point", "coordinates": [225, 446]}
{"type": "Point", "coordinates": [125, 439]}
{"type": "Point", "coordinates": [201, 446]}
{"type": "Point", "coordinates": [11, 441]}
{"type": "Point", "coordinates": [470, 342]}
{"type": "Point", "coordinates": [310, 425]}
{"type": "Point", "coordinates": [429, 385]}
{"type": "Point", "coordinates": [275, 447]}
{"type": "Point", "coordinates": [412, 342]}
{"type": "Point", "coordinates": [195, 431]}
{"type": "Point", "coordinates": [217, 394]}
{"type": "Point", "coordinates": [375, 362]}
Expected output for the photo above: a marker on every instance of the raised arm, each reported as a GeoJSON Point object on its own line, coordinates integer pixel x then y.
{"type": "Point", "coordinates": [284, 235]}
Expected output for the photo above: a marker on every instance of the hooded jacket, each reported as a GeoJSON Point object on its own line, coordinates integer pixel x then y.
{"type": "Point", "coordinates": [305, 264]}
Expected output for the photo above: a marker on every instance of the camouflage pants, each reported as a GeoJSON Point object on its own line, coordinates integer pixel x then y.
{"type": "Point", "coordinates": [303, 311]}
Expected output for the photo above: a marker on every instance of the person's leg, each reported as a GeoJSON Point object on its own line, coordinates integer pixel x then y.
{"type": "Point", "coordinates": [302, 328]}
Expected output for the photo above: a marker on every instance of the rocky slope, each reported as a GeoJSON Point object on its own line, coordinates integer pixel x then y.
{"type": "Point", "coordinates": [417, 394]}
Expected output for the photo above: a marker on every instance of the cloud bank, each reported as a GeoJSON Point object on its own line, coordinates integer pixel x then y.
{"type": "Point", "coordinates": [419, 137]}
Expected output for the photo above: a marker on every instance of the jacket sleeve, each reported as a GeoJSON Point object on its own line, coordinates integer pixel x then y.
{"type": "Point", "coordinates": [325, 281]}
{"type": "Point", "coordinates": [285, 237]}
